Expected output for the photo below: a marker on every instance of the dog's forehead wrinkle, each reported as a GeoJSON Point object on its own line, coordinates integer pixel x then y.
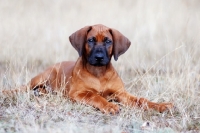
{"type": "Point", "coordinates": [100, 28]}
{"type": "Point", "coordinates": [100, 32]}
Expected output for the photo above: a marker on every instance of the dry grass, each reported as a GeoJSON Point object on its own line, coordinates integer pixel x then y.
{"type": "Point", "coordinates": [162, 64]}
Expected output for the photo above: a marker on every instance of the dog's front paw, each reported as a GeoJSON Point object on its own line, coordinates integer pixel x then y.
{"type": "Point", "coordinates": [110, 109]}
{"type": "Point", "coordinates": [165, 106]}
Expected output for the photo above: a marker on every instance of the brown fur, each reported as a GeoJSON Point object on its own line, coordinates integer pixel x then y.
{"type": "Point", "coordinates": [89, 84]}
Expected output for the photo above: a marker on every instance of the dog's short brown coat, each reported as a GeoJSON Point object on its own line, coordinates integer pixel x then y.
{"type": "Point", "coordinates": [92, 79]}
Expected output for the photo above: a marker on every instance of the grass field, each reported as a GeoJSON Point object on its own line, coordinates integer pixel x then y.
{"type": "Point", "coordinates": [162, 64]}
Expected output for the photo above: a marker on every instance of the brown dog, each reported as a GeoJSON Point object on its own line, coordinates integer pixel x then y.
{"type": "Point", "coordinates": [92, 79]}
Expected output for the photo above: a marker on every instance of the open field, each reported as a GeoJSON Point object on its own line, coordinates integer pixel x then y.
{"type": "Point", "coordinates": [162, 64]}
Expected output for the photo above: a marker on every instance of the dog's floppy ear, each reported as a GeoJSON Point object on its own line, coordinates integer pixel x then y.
{"type": "Point", "coordinates": [78, 39]}
{"type": "Point", "coordinates": [121, 43]}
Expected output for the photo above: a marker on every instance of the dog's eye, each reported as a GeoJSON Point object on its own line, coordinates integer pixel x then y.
{"type": "Point", "coordinates": [107, 41]}
{"type": "Point", "coordinates": [91, 40]}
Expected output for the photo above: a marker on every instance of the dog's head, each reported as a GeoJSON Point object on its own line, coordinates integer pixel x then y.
{"type": "Point", "coordinates": [98, 43]}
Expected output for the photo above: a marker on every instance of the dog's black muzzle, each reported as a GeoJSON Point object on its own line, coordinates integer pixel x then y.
{"type": "Point", "coordinates": [99, 56]}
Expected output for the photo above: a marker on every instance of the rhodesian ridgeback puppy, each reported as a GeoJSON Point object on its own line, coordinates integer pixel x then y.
{"type": "Point", "coordinates": [92, 79]}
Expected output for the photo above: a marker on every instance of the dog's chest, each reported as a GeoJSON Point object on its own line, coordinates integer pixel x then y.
{"type": "Point", "coordinates": [99, 85]}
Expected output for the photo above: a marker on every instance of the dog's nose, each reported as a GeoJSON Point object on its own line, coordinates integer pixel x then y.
{"type": "Point", "coordinates": [99, 56]}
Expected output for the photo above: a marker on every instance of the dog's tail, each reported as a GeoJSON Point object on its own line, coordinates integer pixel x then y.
{"type": "Point", "coordinates": [16, 91]}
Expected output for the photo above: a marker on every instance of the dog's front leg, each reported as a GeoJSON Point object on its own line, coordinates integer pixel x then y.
{"type": "Point", "coordinates": [130, 100]}
{"type": "Point", "coordinates": [95, 100]}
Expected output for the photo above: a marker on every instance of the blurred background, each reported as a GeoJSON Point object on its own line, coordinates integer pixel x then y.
{"type": "Point", "coordinates": [164, 34]}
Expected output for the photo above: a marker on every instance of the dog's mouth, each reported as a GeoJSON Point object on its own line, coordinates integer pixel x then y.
{"type": "Point", "coordinates": [96, 62]}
